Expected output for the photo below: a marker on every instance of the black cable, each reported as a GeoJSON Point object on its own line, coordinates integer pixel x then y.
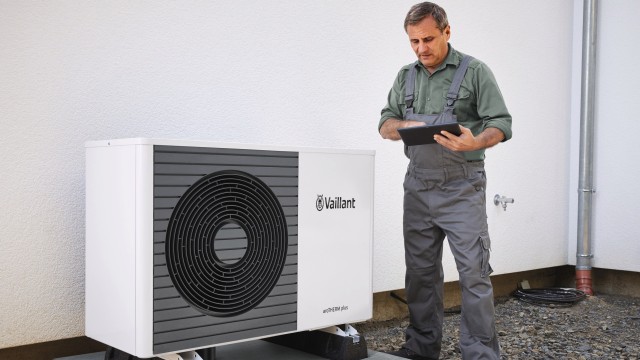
{"type": "Point", "coordinates": [398, 297]}
{"type": "Point", "coordinates": [553, 297]}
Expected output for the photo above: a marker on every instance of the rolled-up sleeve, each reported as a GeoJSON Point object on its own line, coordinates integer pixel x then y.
{"type": "Point", "coordinates": [491, 107]}
{"type": "Point", "coordinates": [395, 100]}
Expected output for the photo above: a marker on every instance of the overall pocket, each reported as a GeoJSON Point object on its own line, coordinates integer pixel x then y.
{"type": "Point", "coordinates": [485, 267]}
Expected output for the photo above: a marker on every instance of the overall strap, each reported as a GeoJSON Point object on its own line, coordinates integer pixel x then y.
{"type": "Point", "coordinates": [409, 88]}
{"type": "Point", "coordinates": [452, 94]}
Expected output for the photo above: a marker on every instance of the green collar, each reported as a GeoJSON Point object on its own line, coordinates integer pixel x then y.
{"type": "Point", "coordinates": [453, 58]}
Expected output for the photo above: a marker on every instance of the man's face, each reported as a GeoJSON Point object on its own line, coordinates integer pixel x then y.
{"type": "Point", "coordinates": [429, 43]}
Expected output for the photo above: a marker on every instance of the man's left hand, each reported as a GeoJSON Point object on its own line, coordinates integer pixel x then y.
{"type": "Point", "coordinates": [467, 142]}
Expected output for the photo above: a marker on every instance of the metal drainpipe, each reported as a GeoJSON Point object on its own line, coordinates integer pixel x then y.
{"type": "Point", "coordinates": [585, 186]}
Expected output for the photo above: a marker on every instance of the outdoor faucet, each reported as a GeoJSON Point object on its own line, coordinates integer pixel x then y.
{"type": "Point", "coordinates": [497, 200]}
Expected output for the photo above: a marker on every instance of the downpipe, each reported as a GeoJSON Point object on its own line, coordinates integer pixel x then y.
{"type": "Point", "coordinates": [585, 187]}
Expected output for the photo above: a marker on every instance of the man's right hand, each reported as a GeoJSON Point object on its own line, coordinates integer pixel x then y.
{"type": "Point", "coordinates": [389, 129]}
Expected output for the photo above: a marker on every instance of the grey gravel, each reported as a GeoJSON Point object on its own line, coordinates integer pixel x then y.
{"type": "Point", "coordinates": [599, 327]}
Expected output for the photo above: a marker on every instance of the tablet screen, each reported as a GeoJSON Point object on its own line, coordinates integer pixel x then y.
{"type": "Point", "coordinates": [420, 135]}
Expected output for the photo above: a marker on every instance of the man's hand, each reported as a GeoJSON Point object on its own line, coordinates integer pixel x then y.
{"type": "Point", "coordinates": [389, 129]}
{"type": "Point", "coordinates": [467, 142]}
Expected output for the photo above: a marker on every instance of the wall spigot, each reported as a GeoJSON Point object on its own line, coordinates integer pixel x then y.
{"type": "Point", "coordinates": [497, 200]}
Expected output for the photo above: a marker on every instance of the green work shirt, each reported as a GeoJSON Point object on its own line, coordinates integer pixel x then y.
{"type": "Point", "coordinates": [479, 106]}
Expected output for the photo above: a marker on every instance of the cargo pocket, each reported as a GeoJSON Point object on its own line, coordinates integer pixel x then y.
{"type": "Point", "coordinates": [485, 243]}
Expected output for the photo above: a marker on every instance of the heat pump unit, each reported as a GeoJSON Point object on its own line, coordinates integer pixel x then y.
{"type": "Point", "coordinates": [193, 244]}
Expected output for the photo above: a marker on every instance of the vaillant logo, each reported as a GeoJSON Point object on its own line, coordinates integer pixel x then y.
{"type": "Point", "coordinates": [336, 202]}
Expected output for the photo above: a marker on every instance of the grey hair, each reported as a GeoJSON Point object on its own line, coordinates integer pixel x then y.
{"type": "Point", "coordinates": [419, 12]}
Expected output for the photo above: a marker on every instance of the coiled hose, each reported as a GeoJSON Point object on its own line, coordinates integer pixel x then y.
{"type": "Point", "coordinates": [552, 297]}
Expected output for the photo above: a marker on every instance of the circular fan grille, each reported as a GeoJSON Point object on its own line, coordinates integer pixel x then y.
{"type": "Point", "coordinates": [215, 203]}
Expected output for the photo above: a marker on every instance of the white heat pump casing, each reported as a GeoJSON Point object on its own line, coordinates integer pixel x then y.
{"type": "Point", "coordinates": [334, 245]}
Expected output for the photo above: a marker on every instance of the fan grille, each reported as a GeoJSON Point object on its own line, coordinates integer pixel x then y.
{"type": "Point", "coordinates": [214, 206]}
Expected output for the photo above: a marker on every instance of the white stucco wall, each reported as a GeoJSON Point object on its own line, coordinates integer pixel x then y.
{"type": "Point", "coordinates": [291, 72]}
{"type": "Point", "coordinates": [532, 65]}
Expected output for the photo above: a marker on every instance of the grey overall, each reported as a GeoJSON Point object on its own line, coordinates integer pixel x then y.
{"type": "Point", "coordinates": [445, 195]}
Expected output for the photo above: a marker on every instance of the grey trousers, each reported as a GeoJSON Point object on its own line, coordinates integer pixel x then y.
{"type": "Point", "coordinates": [448, 202]}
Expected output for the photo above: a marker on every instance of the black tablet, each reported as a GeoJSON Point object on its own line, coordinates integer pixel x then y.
{"type": "Point", "coordinates": [423, 134]}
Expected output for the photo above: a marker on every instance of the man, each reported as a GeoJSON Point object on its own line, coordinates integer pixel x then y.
{"type": "Point", "coordinates": [444, 187]}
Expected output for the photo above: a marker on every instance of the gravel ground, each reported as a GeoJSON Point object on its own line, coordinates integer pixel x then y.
{"type": "Point", "coordinates": [599, 327]}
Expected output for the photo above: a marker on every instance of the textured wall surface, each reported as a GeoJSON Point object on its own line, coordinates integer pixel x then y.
{"type": "Point", "coordinates": [290, 72]}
